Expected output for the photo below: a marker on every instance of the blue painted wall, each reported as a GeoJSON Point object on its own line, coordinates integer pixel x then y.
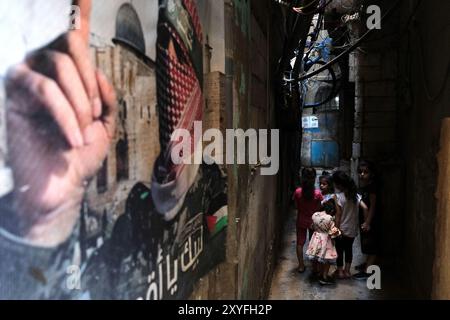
{"type": "Point", "coordinates": [320, 146]}
{"type": "Point", "coordinates": [324, 154]}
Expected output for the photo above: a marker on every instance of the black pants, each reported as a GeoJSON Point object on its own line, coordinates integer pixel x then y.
{"type": "Point", "coordinates": [344, 246]}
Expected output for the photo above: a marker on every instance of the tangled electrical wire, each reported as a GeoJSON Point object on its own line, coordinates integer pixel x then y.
{"type": "Point", "coordinates": [349, 49]}
{"type": "Point", "coordinates": [320, 70]}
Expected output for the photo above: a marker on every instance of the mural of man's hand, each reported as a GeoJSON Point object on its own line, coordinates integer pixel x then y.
{"type": "Point", "coordinates": [61, 116]}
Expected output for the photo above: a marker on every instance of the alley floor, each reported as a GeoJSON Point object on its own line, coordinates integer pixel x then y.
{"type": "Point", "coordinates": [288, 284]}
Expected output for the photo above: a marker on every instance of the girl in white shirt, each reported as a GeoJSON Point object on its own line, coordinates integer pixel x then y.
{"type": "Point", "coordinates": [349, 202]}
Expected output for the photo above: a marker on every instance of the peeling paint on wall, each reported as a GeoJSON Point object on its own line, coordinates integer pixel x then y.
{"type": "Point", "coordinates": [242, 15]}
{"type": "Point", "coordinates": [243, 87]}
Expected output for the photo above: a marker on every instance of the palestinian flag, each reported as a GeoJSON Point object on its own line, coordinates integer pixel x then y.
{"type": "Point", "coordinates": [218, 221]}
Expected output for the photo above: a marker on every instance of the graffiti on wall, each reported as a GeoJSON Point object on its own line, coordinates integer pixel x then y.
{"type": "Point", "coordinates": [170, 229]}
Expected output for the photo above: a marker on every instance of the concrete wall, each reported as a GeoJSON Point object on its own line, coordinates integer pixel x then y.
{"type": "Point", "coordinates": [399, 125]}
{"type": "Point", "coordinates": [256, 196]}
{"type": "Point", "coordinates": [328, 131]}
{"type": "Point", "coordinates": [424, 109]}
{"type": "Point", "coordinates": [255, 204]}
{"type": "Point", "coordinates": [441, 272]}
{"type": "Point", "coordinates": [219, 283]}
{"type": "Point", "coordinates": [376, 135]}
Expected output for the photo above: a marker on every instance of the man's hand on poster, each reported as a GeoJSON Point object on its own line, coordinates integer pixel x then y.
{"type": "Point", "coordinates": [61, 115]}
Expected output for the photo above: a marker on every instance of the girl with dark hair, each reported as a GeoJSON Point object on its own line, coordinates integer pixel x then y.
{"type": "Point", "coordinates": [370, 222]}
{"type": "Point", "coordinates": [308, 200]}
{"type": "Point", "coordinates": [348, 202]}
{"type": "Point", "coordinates": [321, 248]}
{"type": "Point", "coordinates": [326, 186]}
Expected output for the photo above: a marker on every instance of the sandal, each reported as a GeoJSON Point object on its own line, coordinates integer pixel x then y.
{"type": "Point", "coordinates": [301, 269]}
{"type": "Point", "coordinates": [337, 275]}
{"type": "Point", "coordinates": [361, 276]}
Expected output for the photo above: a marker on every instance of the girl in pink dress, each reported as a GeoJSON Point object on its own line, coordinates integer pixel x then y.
{"type": "Point", "coordinates": [321, 247]}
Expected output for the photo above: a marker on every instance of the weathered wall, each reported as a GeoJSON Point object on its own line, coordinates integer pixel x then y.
{"type": "Point", "coordinates": [256, 225]}
{"type": "Point", "coordinates": [257, 204]}
{"type": "Point", "coordinates": [247, 101]}
{"type": "Point", "coordinates": [402, 94]}
{"type": "Point", "coordinates": [328, 131]}
{"type": "Point", "coordinates": [424, 106]}
{"type": "Point", "coordinates": [441, 272]}
{"type": "Point", "coordinates": [220, 283]}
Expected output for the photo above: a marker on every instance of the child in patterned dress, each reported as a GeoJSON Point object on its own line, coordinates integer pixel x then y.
{"type": "Point", "coordinates": [321, 247]}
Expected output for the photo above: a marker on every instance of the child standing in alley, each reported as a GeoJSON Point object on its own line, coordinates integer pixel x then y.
{"type": "Point", "coordinates": [321, 248]}
{"type": "Point", "coordinates": [371, 222]}
{"type": "Point", "coordinates": [349, 203]}
{"type": "Point", "coordinates": [308, 201]}
{"type": "Point", "coordinates": [326, 186]}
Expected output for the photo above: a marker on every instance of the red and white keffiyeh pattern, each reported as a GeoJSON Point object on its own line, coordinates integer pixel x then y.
{"type": "Point", "coordinates": [179, 92]}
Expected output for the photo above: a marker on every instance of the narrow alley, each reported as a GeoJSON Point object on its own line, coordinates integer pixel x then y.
{"type": "Point", "coordinates": [288, 284]}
